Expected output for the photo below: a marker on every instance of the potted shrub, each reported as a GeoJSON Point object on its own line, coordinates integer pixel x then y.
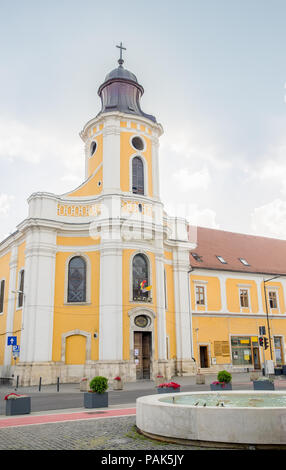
{"type": "Point", "coordinates": [97, 396]}
{"type": "Point", "coordinates": [170, 387]}
{"type": "Point", "coordinates": [263, 383]}
{"type": "Point", "coordinates": [17, 404]}
{"type": "Point", "coordinates": [117, 383]}
{"type": "Point", "coordinates": [223, 381]}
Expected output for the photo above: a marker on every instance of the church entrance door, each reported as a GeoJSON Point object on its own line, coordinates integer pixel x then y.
{"type": "Point", "coordinates": [142, 354]}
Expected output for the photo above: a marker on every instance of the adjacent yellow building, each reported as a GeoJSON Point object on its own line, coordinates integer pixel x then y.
{"type": "Point", "coordinates": [101, 280]}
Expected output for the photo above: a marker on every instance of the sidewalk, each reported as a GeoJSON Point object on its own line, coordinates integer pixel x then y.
{"type": "Point", "coordinates": [238, 377]}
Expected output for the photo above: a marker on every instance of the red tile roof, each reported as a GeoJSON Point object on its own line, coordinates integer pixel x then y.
{"type": "Point", "coordinates": [264, 255]}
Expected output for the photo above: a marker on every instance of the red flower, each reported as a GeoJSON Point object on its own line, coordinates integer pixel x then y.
{"type": "Point", "coordinates": [219, 383]}
{"type": "Point", "coordinates": [169, 385]}
{"type": "Point", "coordinates": [117, 378]}
{"type": "Point", "coordinates": [11, 395]}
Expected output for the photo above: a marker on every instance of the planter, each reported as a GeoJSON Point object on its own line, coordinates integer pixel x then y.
{"type": "Point", "coordinates": [168, 390]}
{"type": "Point", "coordinates": [278, 370]}
{"type": "Point", "coordinates": [117, 385]}
{"type": "Point", "coordinates": [221, 387]}
{"type": "Point", "coordinates": [95, 400]}
{"type": "Point", "coordinates": [263, 385]}
{"type": "Point", "coordinates": [18, 406]}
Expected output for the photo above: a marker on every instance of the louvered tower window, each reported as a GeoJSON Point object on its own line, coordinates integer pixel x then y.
{"type": "Point", "coordinates": [137, 176]}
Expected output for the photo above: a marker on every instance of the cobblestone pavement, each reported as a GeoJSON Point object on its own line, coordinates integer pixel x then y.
{"type": "Point", "coordinates": [98, 434]}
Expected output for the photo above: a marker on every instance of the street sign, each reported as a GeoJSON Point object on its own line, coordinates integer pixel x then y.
{"type": "Point", "coordinates": [16, 349]}
{"type": "Point", "coordinates": [12, 341]}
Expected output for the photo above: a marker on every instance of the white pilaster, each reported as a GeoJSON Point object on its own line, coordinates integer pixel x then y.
{"type": "Point", "coordinates": [155, 168]}
{"type": "Point", "coordinates": [161, 315]}
{"type": "Point", "coordinates": [11, 304]}
{"type": "Point", "coordinates": [38, 310]}
{"type": "Point", "coordinates": [182, 305]}
{"type": "Point", "coordinates": [110, 309]}
{"type": "Point", "coordinates": [111, 155]}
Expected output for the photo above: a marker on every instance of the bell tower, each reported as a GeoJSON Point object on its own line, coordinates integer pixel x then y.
{"type": "Point", "coordinates": [122, 141]}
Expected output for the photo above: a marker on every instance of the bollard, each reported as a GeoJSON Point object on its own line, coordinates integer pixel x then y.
{"type": "Point", "coordinates": [40, 384]}
{"type": "Point", "coordinates": [17, 383]}
{"type": "Point", "coordinates": [58, 384]}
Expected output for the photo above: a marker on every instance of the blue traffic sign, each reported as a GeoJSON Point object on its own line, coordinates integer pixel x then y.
{"type": "Point", "coordinates": [16, 349]}
{"type": "Point", "coordinates": [12, 340]}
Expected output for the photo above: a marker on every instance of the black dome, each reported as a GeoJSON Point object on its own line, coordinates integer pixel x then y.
{"type": "Point", "coordinates": [121, 91]}
{"type": "Point", "coordinates": [122, 73]}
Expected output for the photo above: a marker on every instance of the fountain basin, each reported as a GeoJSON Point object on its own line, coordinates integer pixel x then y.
{"type": "Point", "coordinates": [248, 418]}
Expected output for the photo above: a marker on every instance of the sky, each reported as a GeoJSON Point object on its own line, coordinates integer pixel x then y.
{"type": "Point", "coordinates": [214, 74]}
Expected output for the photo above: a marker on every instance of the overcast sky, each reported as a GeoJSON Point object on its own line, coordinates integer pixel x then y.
{"type": "Point", "coordinates": [214, 74]}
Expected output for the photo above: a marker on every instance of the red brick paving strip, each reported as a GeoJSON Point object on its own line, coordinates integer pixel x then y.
{"type": "Point", "coordinates": [55, 418]}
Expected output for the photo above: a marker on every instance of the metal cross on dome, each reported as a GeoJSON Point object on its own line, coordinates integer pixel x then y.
{"type": "Point", "coordinates": [120, 61]}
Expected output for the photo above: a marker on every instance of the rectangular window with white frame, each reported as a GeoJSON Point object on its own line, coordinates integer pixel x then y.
{"type": "Point", "coordinates": [273, 299]}
{"type": "Point", "coordinates": [200, 295]}
{"type": "Point", "coordinates": [244, 298]}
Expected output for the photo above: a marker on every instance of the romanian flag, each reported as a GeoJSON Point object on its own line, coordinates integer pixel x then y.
{"type": "Point", "coordinates": [143, 288]}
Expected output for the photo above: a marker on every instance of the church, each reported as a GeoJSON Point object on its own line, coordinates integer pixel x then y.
{"type": "Point", "coordinates": [102, 281]}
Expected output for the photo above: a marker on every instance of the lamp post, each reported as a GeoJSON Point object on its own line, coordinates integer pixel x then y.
{"type": "Point", "coordinates": [267, 312]}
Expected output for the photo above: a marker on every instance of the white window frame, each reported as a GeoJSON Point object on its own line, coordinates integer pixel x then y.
{"type": "Point", "coordinates": [276, 290]}
{"type": "Point", "coordinates": [88, 279]}
{"type": "Point", "coordinates": [1, 280]}
{"type": "Point", "coordinates": [139, 252]}
{"type": "Point", "coordinates": [198, 283]}
{"type": "Point", "coordinates": [18, 288]}
{"type": "Point", "coordinates": [145, 170]}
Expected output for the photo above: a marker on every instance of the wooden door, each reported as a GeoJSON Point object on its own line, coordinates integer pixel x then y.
{"type": "Point", "coordinates": [204, 357]}
{"type": "Point", "coordinates": [142, 354]}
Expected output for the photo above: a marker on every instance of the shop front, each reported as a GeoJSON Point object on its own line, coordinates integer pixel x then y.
{"type": "Point", "coordinates": [245, 351]}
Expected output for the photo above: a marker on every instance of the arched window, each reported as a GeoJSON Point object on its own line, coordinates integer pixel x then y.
{"type": "Point", "coordinates": [2, 295]}
{"type": "Point", "coordinates": [140, 274]}
{"type": "Point", "coordinates": [77, 280]}
{"type": "Point", "coordinates": [21, 288]}
{"type": "Point", "coordinates": [137, 176]}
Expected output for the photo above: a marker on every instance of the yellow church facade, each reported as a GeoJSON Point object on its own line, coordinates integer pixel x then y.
{"type": "Point", "coordinates": [102, 281]}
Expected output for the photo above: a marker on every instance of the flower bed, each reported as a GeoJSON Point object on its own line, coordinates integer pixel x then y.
{"type": "Point", "coordinates": [169, 387]}
{"type": "Point", "coordinates": [17, 404]}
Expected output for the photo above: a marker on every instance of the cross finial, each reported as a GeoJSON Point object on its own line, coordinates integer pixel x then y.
{"type": "Point", "coordinates": [120, 61]}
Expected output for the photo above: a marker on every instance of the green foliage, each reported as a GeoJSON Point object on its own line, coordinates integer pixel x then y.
{"type": "Point", "coordinates": [224, 376]}
{"type": "Point", "coordinates": [265, 379]}
{"type": "Point", "coordinates": [98, 384]}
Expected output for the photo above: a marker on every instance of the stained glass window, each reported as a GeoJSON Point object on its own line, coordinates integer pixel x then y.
{"type": "Point", "coordinates": [77, 280]}
{"type": "Point", "coordinates": [140, 274]}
